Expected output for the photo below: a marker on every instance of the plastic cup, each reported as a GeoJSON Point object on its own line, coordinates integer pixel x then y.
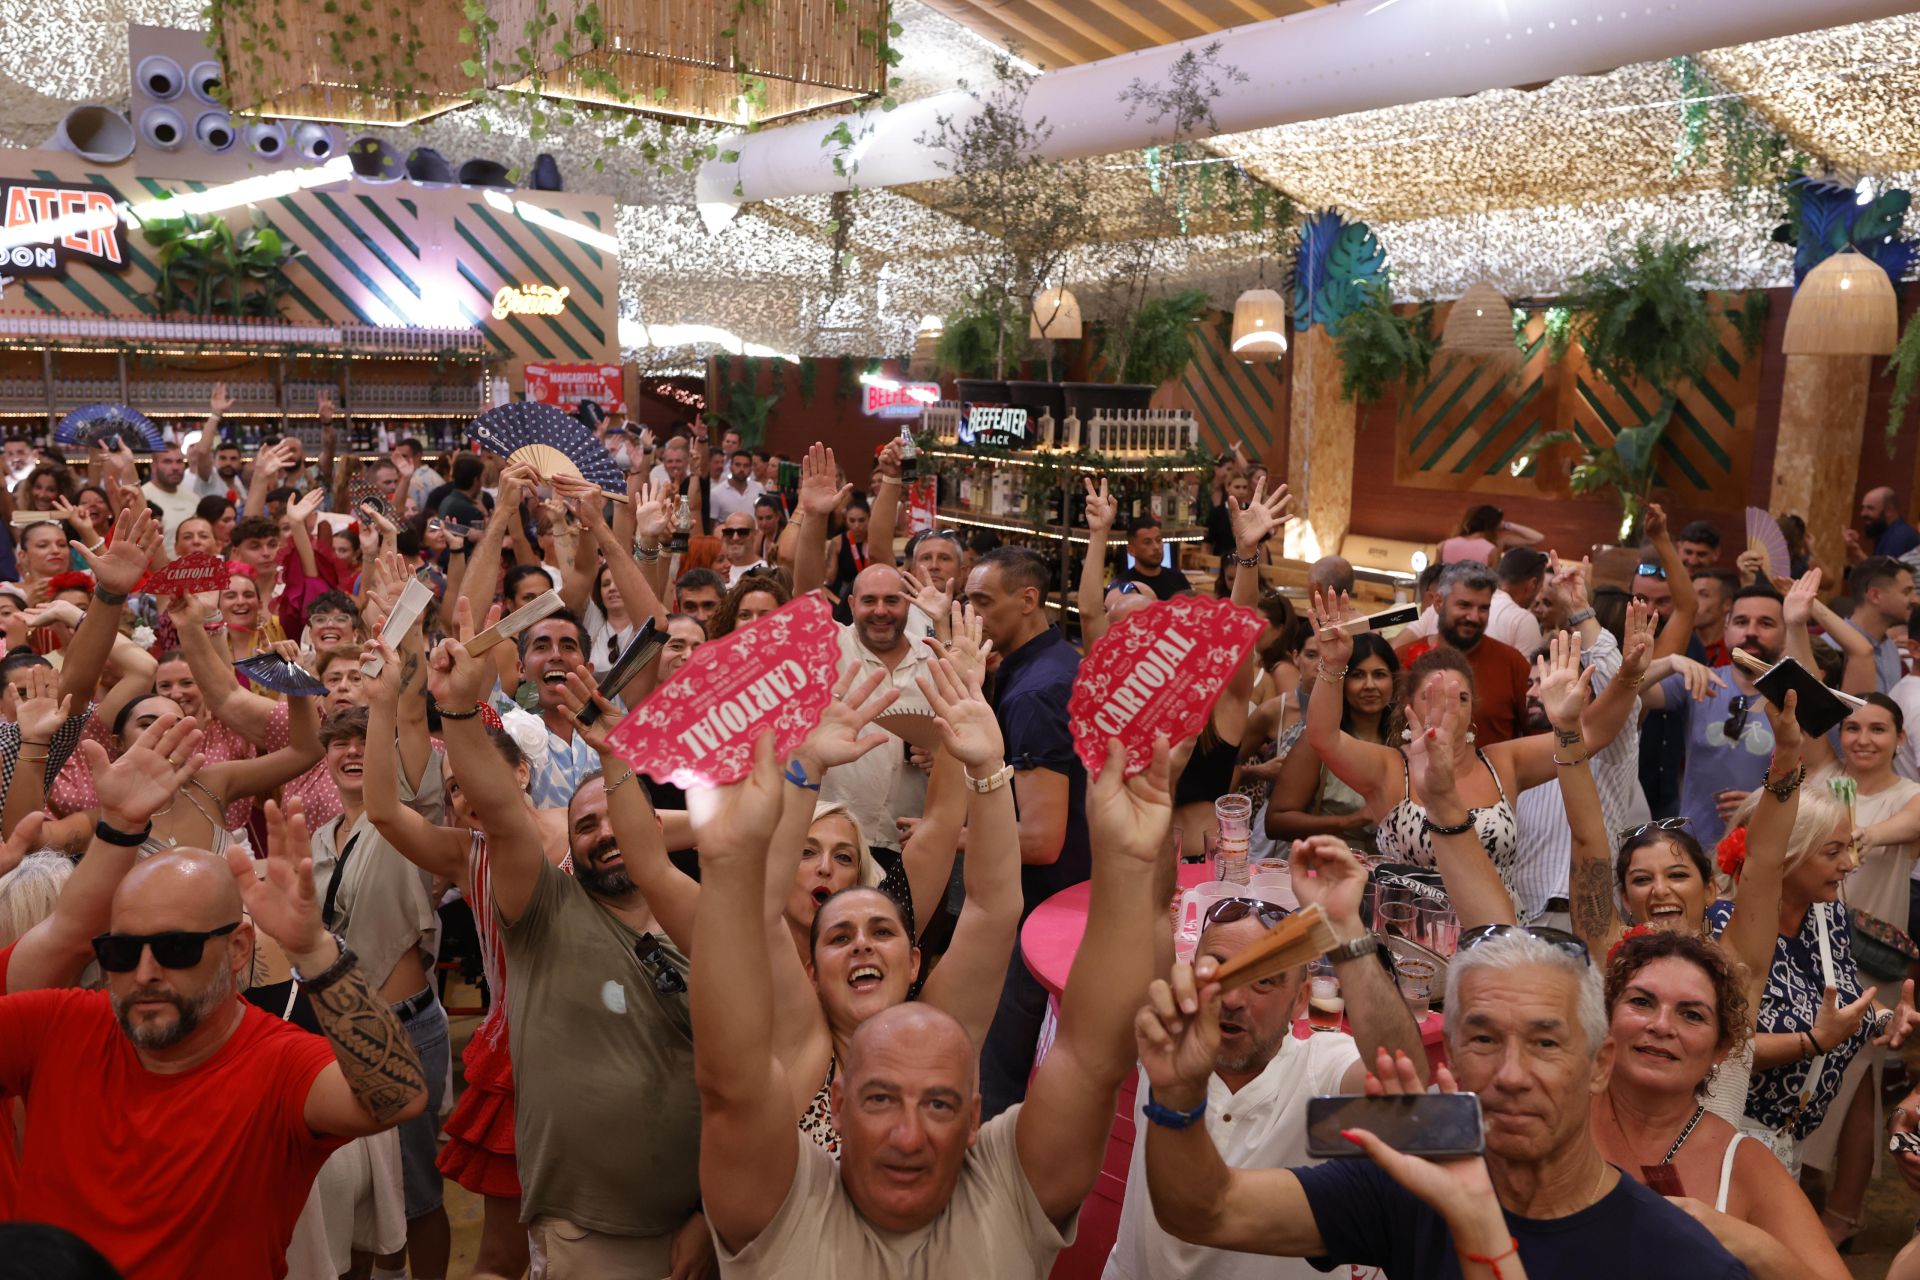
{"type": "Point", "coordinates": [1400, 919]}
{"type": "Point", "coordinates": [1416, 984]}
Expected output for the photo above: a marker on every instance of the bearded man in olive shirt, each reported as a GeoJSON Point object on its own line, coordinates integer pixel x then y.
{"type": "Point", "coordinates": [606, 1116]}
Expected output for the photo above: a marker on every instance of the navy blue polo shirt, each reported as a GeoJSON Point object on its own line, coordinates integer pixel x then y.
{"type": "Point", "coordinates": [1030, 701]}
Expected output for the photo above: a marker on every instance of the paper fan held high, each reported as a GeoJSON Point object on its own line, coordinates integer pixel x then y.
{"type": "Point", "coordinates": [97, 424]}
{"type": "Point", "coordinates": [550, 441]}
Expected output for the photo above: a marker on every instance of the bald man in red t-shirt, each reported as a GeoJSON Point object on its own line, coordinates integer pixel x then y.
{"type": "Point", "coordinates": [170, 1124]}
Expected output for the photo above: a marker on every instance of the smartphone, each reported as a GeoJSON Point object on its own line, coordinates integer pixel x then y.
{"type": "Point", "coordinates": [1437, 1125]}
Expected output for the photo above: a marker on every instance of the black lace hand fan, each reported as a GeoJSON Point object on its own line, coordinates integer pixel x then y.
{"type": "Point", "coordinates": [552, 442]}
{"type": "Point", "coordinates": [98, 424]}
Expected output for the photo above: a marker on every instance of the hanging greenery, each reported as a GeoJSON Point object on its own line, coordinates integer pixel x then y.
{"type": "Point", "coordinates": [1755, 156]}
{"type": "Point", "coordinates": [808, 376]}
{"type": "Point", "coordinates": [1381, 349]}
{"type": "Point", "coordinates": [1639, 315]}
{"type": "Point", "coordinates": [1750, 320]}
{"type": "Point", "coordinates": [208, 269]}
{"type": "Point", "coordinates": [973, 341]}
{"type": "Point", "coordinates": [1903, 366]}
{"type": "Point", "coordinates": [1159, 343]}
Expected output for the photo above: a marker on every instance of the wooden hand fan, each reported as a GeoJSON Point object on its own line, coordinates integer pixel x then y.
{"type": "Point", "coordinates": [1302, 937]}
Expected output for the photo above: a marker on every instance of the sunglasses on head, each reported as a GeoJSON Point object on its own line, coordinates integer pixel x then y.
{"type": "Point", "coordinates": [1233, 910]}
{"type": "Point", "coordinates": [1558, 939]}
{"type": "Point", "coordinates": [1658, 824]}
{"type": "Point", "coordinates": [1650, 571]}
{"type": "Point", "coordinates": [177, 949]}
{"type": "Point", "coordinates": [666, 979]}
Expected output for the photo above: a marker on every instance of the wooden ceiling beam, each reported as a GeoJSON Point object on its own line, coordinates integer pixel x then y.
{"type": "Point", "coordinates": [1032, 40]}
{"type": "Point", "coordinates": [1187, 13]}
{"type": "Point", "coordinates": [1260, 13]}
{"type": "Point", "coordinates": [1153, 31]}
{"type": "Point", "coordinates": [1074, 23]}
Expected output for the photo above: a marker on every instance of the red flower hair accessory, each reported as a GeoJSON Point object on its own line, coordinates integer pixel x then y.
{"type": "Point", "coordinates": [1731, 852]}
{"type": "Point", "coordinates": [1638, 931]}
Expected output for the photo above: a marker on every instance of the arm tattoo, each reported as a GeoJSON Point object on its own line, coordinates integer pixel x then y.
{"type": "Point", "coordinates": [1591, 901]}
{"type": "Point", "coordinates": [372, 1048]}
{"type": "Point", "coordinates": [409, 668]}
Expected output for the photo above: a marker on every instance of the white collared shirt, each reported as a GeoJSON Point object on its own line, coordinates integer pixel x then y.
{"type": "Point", "coordinates": [1263, 1126]}
{"type": "Point", "coordinates": [881, 786]}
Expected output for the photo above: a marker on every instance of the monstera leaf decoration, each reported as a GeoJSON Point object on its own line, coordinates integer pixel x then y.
{"type": "Point", "coordinates": [1829, 217]}
{"type": "Point", "coordinates": [1339, 261]}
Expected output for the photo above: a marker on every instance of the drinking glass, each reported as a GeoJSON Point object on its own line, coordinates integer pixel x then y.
{"type": "Point", "coordinates": [1439, 930]}
{"type": "Point", "coordinates": [1401, 919]}
{"type": "Point", "coordinates": [1416, 984]}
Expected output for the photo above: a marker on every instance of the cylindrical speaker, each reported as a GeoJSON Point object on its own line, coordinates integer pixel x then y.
{"type": "Point", "coordinates": [374, 160]}
{"type": "Point", "coordinates": [98, 133]}
{"type": "Point", "coordinates": [159, 76]}
{"type": "Point", "coordinates": [214, 130]}
{"type": "Point", "coordinates": [162, 127]}
{"type": "Point", "coordinates": [267, 138]}
{"type": "Point", "coordinates": [313, 141]}
{"type": "Point", "coordinates": [204, 79]}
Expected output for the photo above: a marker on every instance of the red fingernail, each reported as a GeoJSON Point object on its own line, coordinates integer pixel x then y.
{"type": "Point", "coordinates": [1348, 1135]}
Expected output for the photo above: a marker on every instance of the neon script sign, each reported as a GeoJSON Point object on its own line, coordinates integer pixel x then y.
{"type": "Point", "coordinates": [529, 300]}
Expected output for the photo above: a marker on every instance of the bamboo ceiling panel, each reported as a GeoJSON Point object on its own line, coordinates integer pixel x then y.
{"type": "Point", "coordinates": [1062, 33]}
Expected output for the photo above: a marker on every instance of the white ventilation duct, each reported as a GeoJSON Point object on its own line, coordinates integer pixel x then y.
{"type": "Point", "coordinates": [1359, 55]}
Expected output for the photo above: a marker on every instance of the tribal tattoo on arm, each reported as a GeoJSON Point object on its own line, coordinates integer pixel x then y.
{"type": "Point", "coordinates": [373, 1049]}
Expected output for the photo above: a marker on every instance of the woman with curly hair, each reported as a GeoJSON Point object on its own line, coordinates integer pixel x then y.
{"type": "Point", "coordinates": [1676, 1009]}
{"type": "Point", "coordinates": [750, 599]}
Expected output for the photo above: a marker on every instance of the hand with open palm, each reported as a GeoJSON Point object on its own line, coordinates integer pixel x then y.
{"type": "Point", "coordinates": [148, 775]}
{"type": "Point", "coordinates": [968, 729]}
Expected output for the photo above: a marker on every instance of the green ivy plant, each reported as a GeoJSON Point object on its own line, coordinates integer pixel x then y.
{"type": "Point", "coordinates": [1381, 349]}
{"type": "Point", "coordinates": [1903, 366]}
{"type": "Point", "coordinates": [973, 343]}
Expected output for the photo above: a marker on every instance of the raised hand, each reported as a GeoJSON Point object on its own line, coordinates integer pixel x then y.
{"type": "Point", "coordinates": [967, 725]}
{"type": "Point", "coordinates": [43, 710]}
{"type": "Point", "coordinates": [220, 404]}
{"type": "Point", "coordinates": [580, 692]}
{"type": "Point", "coordinates": [1261, 516]}
{"type": "Point", "coordinates": [737, 821]}
{"type": "Point", "coordinates": [969, 650]}
{"type": "Point", "coordinates": [148, 775]}
{"type": "Point", "coordinates": [1327, 612]}
{"type": "Point", "coordinates": [383, 689]}
{"type": "Point", "coordinates": [839, 738]}
{"type": "Point", "coordinates": [1102, 510]}
{"type": "Point", "coordinates": [1797, 607]}
{"type": "Point", "coordinates": [1326, 871]}
{"type": "Point", "coordinates": [1177, 1033]}
{"type": "Point", "coordinates": [1636, 642]}
{"type": "Point", "coordinates": [77, 520]}
{"type": "Point", "coordinates": [931, 600]}
{"type": "Point", "coordinates": [653, 512]}
{"type": "Point", "coordinates": [303, 507]}
{"type": "Point", "coordinates": [282, 902]}
{"type": "Point", "coordinates": [323, 406]}
{"type": "Point", "coordinates": [1788, 738]}
{"type": "Point", "coordinates": [1437, 717]}
{"type": "Point", "coordinates": [456, 679]}
{"type": "Point", "coordinates": [119, 566]}
{"type": "Point", "coordinates": [888, 463]}
{"type": "Point", "coordinates": [1128, 817]}
{"type": "Point", "coordinates": [1567, 584]}
{"type": "Point", "coordinates": [54, 613]}
{"type": "Point", "coordinates": [820, 490]}
{"type": "Point", "coordinates": [1654, 523]}
{"type": "Point", "coordinates": [1564, 686]}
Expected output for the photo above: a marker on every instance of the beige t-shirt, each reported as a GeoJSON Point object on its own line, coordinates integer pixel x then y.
{"type": "Point", "coordinates": [993, 1227]}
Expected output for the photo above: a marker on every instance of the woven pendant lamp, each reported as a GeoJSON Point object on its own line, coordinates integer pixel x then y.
{"type": "Point", "coordinates": [1845, 307]}
{"type": "Point", "coordinates": [1480, 324]}
{"type": "Point", "coordinates": [1056, 314]}
{"type": "Point", "coordinates": [921, 363]}
{"type": "Point", "coordinates": [1259, 326]}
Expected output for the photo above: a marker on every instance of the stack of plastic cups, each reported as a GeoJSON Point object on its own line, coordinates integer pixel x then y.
{"type": "Point", "coordinates": [1235, 815]}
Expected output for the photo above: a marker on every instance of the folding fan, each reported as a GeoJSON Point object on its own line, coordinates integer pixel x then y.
{"type": "Point", "coordinates": [1764, 536]}
{"type": "Point", "coordinates": [98, 423]}
{"type": "Point", "coordinates": [550, 441]}
{"type": "Point", "coordinates": [276, 673]}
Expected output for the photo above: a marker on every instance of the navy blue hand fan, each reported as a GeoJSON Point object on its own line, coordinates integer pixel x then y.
{"type": "Point", "coordinates": [99, 423]}
{"type": "Point", "coordinates": [274, 672]}
{"type": "Point", "coordinates": [549, 440]}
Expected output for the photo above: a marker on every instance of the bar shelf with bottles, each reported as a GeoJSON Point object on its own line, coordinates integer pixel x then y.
{"type": "Point", "coordinates": [1037, 495]}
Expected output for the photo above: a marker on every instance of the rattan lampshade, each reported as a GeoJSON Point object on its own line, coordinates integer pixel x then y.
{"type": "Point", "coordinates": [1056, 314]}
{"type": "Point", "coordinates": [1259, 326]}
{"type": "Point", "coordinates": [1480, 324]}
{"type": "Point", "coordinates": [328, 62]}
{"type": "Point", "coordinates": [1845, 307]}
{"type": "Point", "coordinates": [731, 63]}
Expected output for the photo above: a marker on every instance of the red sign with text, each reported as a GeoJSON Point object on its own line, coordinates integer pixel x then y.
{"type": "Point", "coordinates": [698, 729]}
{"type": "Point", "coordinates": [898, 399]}
{"type": "Point", "coordinates": [187, 576]}
{"type": "Point", "coordinates": [1157, 671]}
{"type": "Point", "coordinates": [566, 385]}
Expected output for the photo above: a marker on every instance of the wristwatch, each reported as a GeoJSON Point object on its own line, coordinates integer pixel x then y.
{"type": "Point", "coordinates": [1364, 945]}
{"type": "Point", "coordinates": [992, 782]}
{"type": "Point", "coordinates": [1583, 615]}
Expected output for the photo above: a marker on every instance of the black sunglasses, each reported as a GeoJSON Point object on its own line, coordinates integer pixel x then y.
{"type": "Point", "coordinates": [1737, 717]}
{"type": "Point", "coordinates": [1658, 824]}
{"type": "Point", "coordinates": [666, 979]}
{"type": "Point", "coordinates": [1233, 910]}
{"type": "Point", "coordinates": [179, 949]}
{"type": "Point", "coordinates": [1558, 939]}
{"type": "Point", "coordinates": [736, 533]}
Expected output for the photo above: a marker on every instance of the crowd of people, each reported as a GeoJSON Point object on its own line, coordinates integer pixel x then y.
{"type": "Point", "coordinates": [786, 1027]}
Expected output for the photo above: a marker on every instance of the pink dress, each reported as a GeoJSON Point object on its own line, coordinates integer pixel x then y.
{"type": "Point", "coordinates": [73, 789]}
{"type": "Point", "coordinates": [1478, 550]}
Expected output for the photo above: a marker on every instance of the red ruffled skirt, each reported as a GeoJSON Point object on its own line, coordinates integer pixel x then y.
{"type": "Point", "coordinates": [479, 1151]}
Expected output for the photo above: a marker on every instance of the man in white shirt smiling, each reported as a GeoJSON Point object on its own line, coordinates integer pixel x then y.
{"type": "Point", "coordinates": [1256, 1107]}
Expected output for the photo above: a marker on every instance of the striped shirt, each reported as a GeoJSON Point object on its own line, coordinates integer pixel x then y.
{"type": "Point", "coordinates": [1545, 855]}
